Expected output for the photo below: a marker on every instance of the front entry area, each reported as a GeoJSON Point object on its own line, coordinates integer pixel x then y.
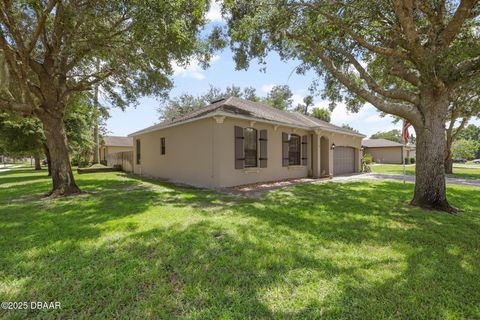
{"type": "Point", "coordinates": [343, 160]}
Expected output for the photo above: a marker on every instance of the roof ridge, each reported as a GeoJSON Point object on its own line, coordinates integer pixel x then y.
{"type": "Point", "coordinates": [252, 109]}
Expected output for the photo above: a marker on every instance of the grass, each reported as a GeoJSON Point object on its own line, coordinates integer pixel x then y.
{"type": "Point", "coordinates": [135, 248]}
{"type": "Point", "coordinates": [459, 170]}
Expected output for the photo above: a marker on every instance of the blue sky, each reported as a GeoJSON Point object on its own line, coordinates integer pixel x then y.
{"type": "Point", "coordinates": [222, 73]}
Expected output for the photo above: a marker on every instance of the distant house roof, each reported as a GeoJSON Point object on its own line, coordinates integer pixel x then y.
{"type": "Point", "coordinates": [116, 141]}
{"type": "Point", "coordinates": [240, 108]}
{"type": "Point", "coordinates": [380, 143]}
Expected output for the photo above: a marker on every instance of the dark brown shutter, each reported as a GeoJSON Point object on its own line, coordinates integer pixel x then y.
{"type": "Point", "coordinates": [285, 143]}
{"type": "Point", "coordinates": [304, 150]}
{"type": "Point", "coordinates": [239, 149]}
{"type": "Point", "coordinates": [263, 148]}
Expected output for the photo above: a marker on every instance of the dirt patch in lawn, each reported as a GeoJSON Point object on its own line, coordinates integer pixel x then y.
{"type": "Point", "coordinates": [259, 188]}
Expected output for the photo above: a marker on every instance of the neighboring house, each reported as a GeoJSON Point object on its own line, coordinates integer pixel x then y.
{"type": "Point", "coordinates": [114, 144]}
{"type": "Point", "coordinates": [386, 151]}
{"type": "Point", "coordinates": [234, 142]}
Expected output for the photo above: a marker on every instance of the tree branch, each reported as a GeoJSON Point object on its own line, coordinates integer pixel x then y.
{"type": "Point", "coordinates": [404, 11]}
{"type": "Point", "coordinates": [87, 85]}
{"type": "Point", "coordinates": [465, 72]}
{"type": "Point", "coordinates": [408, 112]}
{"type": "Point", "coordinates": [397, 94]}
{"type": "Point", "coordinates": [454, 26]}
{"type": "Point", "coordinates": [16, 106]}
{"type": "Point", "coordinates": [11, 27]}
{"type": "Point", "coordinates": [363, 42]}
{"type": "Point", "coordinates": [39, 29]}
{"type": "Point", "coordinates": [460, 127]}
{"type": "Point", "coordinates": [402, 71]}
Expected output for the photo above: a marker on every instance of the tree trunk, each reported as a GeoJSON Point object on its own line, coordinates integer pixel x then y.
{"type": "Point", "coordinates": [448, 153]}
{"type": "Point", "coordinates": [430, 188]}
{"type": "Point", "coordinates": [61, 170]}
{"type": "Point", "coordinates": [47, 155]}
{"type": "Point", "coordinates": [449, 164]}
{"type": "Point", "coordinates": [38, 165]}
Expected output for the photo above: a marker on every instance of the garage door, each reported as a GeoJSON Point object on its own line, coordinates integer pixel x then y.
{"type": "Point", "coordinates": [343, 160]}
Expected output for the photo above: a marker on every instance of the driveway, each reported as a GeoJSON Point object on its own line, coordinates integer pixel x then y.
{"type": "Point", "coordinates": [385, 176]}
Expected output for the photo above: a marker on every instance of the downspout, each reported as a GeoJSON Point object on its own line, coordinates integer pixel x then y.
{"type": "Point", "coordinates": [212, 175]}
{"type": "Point", "coordinates": [311, 155]}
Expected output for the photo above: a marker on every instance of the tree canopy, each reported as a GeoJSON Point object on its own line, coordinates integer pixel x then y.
{"type": "Point", "coordinates": [174, 107]}
{"type": "Point", "coordinates": [280, 97]}
{"type": "Point", "coordinates": [20, 136]}
{"type": "Point", "coordinates": [321, 114]}
{"type": "Point", "coordinates": [52, 50]}
{"type": "Point", "coordinates": [465, 149]}
{"type": "Point", "coordinates": [127, 46]}
{"type": "Point", "coordinates": [405, 57]}
{"type": "Point", "coordinates": [392, 135]}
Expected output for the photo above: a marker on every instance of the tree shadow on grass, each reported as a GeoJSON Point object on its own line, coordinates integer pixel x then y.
{"type": "Point", "coordinates": [22, 175]}
{"type": "Point", "coordinates": [315, 251]}
{"type": "Point", "coordinates": [166, 273]}
{"type": "Point", "coordinates": [41, 222]}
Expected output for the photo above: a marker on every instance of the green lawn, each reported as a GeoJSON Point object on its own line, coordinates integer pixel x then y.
{"type": "Point", "coordinates": [133, 248]}
{"type": "Point", "coordinates": [469, 171]}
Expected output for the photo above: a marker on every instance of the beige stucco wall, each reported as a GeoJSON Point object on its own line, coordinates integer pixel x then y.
{"type": "Point", "coordinates": [342, 140]}
{"type": "Point", "coordinates": [391, 155]}
{"type": "Point", "coordinates": [202, 153]}
{"type": "Point", "coordinates": [104, 151]}
{"type": "Point", "coordinates": [188, 154]}
{"type": "Point", "coordinates": [225, 155]}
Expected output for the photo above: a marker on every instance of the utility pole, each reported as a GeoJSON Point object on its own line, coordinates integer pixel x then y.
{"type": "Point", "coordinates": [96, 151]}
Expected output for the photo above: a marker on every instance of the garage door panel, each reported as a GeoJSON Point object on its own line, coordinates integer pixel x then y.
{"type": "Point", "coordinates": [343, 160]}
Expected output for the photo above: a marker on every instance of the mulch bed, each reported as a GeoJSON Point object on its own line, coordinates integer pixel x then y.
{"type": "Point", "coordinates": [260, 187]}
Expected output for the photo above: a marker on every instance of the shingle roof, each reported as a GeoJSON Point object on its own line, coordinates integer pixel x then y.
{"type": "Point", "coordinates": [116, 141]}
{"type": "Point", "coordinates": [254, 110]}
{"type": "Point", "coordinates": [380, 143]}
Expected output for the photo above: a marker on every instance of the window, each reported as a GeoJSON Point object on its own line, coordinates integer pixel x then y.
{"type": "Point", "coordinates": [294, 147]}
{"type": "Point", "coordinates": [138, 151]}
{"type": "Point", "coordinates": [162, 145]}
{"type": "Point", "coordinates": [250, 147]}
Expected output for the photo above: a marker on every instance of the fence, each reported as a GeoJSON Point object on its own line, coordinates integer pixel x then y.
{"type": "Point", "coordinates": [123, 159]}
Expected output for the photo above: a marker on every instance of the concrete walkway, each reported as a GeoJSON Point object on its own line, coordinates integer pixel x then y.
{"type": "Point", "coordinates": [384, 176]}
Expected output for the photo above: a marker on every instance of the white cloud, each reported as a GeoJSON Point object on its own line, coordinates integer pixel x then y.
{"type": "Point", "coordinates": [215, 13]}
{"type": "Point", "coordinates": [367, 120]}
{"type": "Point", "coordinates": [374, 118]}
{"type": "Point", "coordinates": [297, 99]}
{"type": "Point", "coordinates": [192, 69]}
{"type": "Point", "coordinates": [267, 87]}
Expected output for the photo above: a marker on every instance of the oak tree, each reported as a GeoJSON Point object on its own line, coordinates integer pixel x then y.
{"type": "Point", "coordinates": [405, 57]}
{"type": "Point", "coordinates": [464, 106]}
{"type": "Point", "coordinates": [53, 49]}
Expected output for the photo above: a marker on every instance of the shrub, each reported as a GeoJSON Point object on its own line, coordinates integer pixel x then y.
{"type": "Point", "coordinates": [412, 160]}
{"type": "Point", "coordinates": [367, 158]}
{"type": "Point", "coordinates": [407, 160]}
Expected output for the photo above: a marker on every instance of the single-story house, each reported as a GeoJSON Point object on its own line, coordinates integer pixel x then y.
{"type": "Point", "coordinates": [234, 142]}
{"type": "Point", "coordinates": [386, 151]}
{"type": "Point", "coordinates": [114, 144]}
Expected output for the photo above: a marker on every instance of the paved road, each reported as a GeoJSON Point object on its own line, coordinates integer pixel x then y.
{"type": "Point", "coordinates": [383, 176]}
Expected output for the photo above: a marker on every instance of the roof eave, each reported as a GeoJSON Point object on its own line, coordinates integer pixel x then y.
{"type": "Point", "coordinates": [230, 115]}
